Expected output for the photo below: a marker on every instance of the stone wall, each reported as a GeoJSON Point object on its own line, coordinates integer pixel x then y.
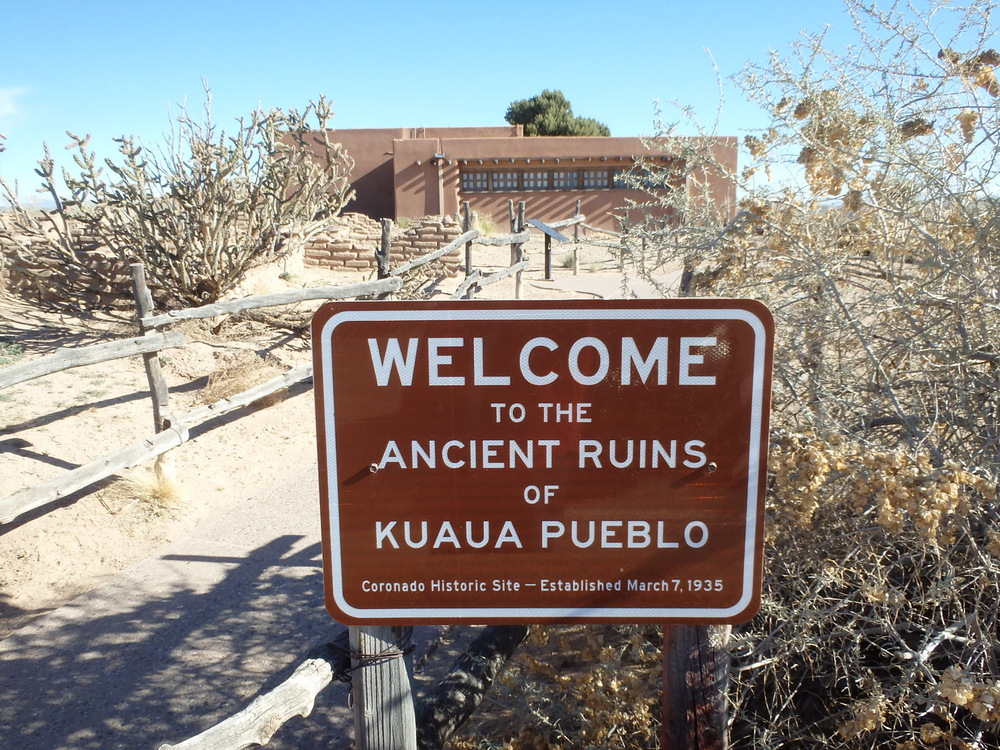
{"type": "Point", "coordinates": [355, 243]}
{"type": "Point", "coordinates": [349, 248]}
{"type": "Point", "coordinates": [98, 278]}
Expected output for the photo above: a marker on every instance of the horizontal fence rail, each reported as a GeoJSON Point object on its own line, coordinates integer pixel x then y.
{"type": "Point", "coordinates": [477, 279]}
{"type": "Point", "coordinates": [348, 291]}
{"type": "Point", "coordinates": [66, 359]}
{"type": "Point", "coordinates": [451, 247]}
{"type": "Point", "coordinates": [23, 501]}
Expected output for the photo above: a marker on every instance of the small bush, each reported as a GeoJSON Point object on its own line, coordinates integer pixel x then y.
{"type": "Point", "coordinates": [10, 352]}
{"type": "Point", "coordinates": [483, 224]}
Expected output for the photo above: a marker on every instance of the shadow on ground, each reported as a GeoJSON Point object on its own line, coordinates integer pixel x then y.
{"type": "Point", "coordinates": [106, 673]}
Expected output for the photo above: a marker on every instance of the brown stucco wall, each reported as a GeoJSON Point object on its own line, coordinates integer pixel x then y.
{"type": "Point", "coordinates": [396, 174]}
{"type": "Point", "coordinates": [416, 179]}
{"type": "Point", "coordinates": [427, 186]}
{"type": "Point", "coordinates": [503, 131]}
{"type": "Point", "coordinates": [372, 176]}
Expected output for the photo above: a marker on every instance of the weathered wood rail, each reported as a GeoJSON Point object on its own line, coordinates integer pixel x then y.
{"type": "Point", "coordinates": [66, 359]}
{"type": "Point", "coordinates": [30, 498]}
{"type": "Point", "coordinates": [442, 711]}
{"type": "Point", "coordinates": [277, 299]}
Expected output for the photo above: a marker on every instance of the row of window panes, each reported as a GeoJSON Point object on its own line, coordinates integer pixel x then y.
{"type": "Point", "coordinates": [517, 180]}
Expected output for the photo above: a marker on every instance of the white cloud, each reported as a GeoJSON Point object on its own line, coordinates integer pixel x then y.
{"type": "Point", "coordinates": [9, 102]}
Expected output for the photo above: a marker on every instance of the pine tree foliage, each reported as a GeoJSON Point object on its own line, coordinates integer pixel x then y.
{"type": "Point", "coordinates": [550, 113]}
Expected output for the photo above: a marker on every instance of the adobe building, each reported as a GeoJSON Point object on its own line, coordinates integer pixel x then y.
{"type": "Point", "coordinates": [413, 172]}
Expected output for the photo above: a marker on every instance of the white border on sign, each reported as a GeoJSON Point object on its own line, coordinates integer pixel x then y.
{"type": "Point", "coordinates": [486, 614]}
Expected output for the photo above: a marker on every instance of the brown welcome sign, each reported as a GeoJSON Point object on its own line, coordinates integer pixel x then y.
{"type": "Point", "coordinates": [543, 461]}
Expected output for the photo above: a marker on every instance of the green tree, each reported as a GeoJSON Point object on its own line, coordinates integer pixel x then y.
{"type": "Point", "coordinates": [550, 113]}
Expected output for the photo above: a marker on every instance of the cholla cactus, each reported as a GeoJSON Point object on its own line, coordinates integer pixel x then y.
{"type": "Point", "coordinates": [199, 212]}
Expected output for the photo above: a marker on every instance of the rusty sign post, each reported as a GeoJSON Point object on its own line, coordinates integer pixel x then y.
{"type": "Point", "coordinates": [584, 461]}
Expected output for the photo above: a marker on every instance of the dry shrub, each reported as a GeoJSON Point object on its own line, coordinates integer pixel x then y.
{"type": "Point", "coordinates": [239, 371]}
{"type": "Point", "coordinates": [879, 565]}
{"type": "Point", "coordinates": [574, 686]}
{"type": "Point", "coordinates": [200, 211]}
{"type": "Point", "coordinates": [879, 255]}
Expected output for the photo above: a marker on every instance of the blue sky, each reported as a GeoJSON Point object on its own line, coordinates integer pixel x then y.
{"type": "Point", "coordinates": [112, 67]}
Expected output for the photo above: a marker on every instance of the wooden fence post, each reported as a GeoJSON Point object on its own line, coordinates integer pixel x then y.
{"type": "Point", "coordinates": [467, 227]}
{"type": "Point", "coordinates": [548, 258]}
{"type": "Point", "coordinates": [695, 681]}
{"type": "Point", "coordinates": [382, 254]}
{"type": "Point", "coordinates": [576, 242]}
{"type": "Point", "coordinates": [384, 718]}
{"type": "Point", "coordinates": [158, 389]}
{"type": "Point", "coordinates": [517, 249]}
{"type": "Point", "coordinates": [622, 226]}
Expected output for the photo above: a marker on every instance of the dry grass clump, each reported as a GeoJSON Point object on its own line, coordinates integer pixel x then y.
{"type": "Point", "coordinates": [142, 493]}
{"type": "Point", "coordinates": [239, 371]}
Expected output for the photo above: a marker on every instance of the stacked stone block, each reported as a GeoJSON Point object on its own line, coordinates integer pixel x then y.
{"type": "Point", "coordinates": [101, 280]}
{"type": "Point", "coordinates": [353, 245]}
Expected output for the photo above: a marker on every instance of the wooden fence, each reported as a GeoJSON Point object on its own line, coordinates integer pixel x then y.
{"type": "Point", "coordinates": [172, 430]}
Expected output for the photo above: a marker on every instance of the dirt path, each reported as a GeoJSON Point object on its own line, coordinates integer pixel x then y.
{"type": "Point", "coordinates": [66, 419]}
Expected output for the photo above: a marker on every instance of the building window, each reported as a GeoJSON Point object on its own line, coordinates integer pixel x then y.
{"type": "Point", "coordinates": [525, 180]}
{"type": "Point", "coordinates": [595, 179]}
{"type": "Point", "coordinates": [535, 180]}
{"type": "Point", "coordinates": [475, 182]}
{"type": "Point", "coordinates": [505, 182]}
{"type": "Point", "coordinates": [619, 179]}
{"type": "Point", "coordinates": [565, 180]}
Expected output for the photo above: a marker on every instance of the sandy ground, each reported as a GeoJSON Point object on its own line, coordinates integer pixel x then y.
{"type": "Point", "coordinates": [63, 420]}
